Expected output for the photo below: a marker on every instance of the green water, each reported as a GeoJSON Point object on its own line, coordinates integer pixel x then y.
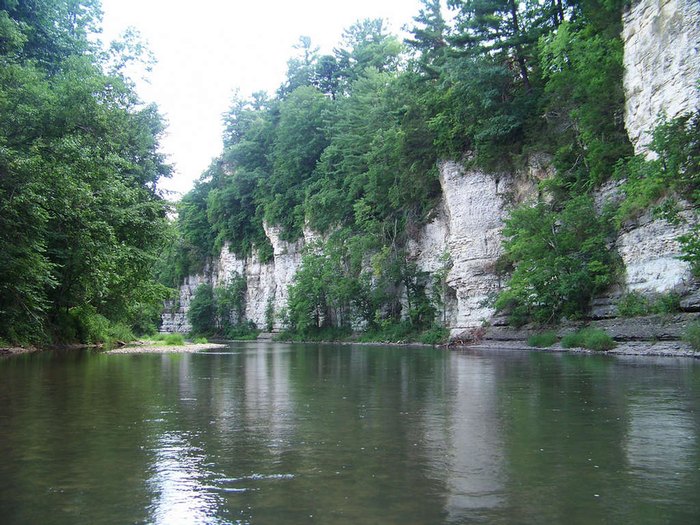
{"type": "Point", "coordinates": [289, 434]}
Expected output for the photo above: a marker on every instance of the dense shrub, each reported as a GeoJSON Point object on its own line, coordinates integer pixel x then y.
{"type": "Point", "coordinates": [436, 335]}
{"type": "Point", "coordinates": [692, 335]}
{"type": "Point", "coordinates": [174, 340]}
{"type": "Point", "coordinates": [562, 258]}
{"type": "Point", "coordinates": [201, 313]}
{"type": "Point", "coordinates": [592, 338]}
{"type": "Point", "coordinates": [242, 331]}
{"type": "Point", "coordinates": [543, 339]}
{"type": "Point", "coordinates": [634, 304]}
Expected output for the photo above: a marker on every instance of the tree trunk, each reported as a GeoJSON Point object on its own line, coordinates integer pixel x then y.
{"type": "Point", "coordinates": [518, 50]}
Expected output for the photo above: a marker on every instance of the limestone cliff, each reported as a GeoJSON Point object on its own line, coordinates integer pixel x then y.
{"type": "Point", "coordinates": [662, 64]}
{"type": "Point", "coordinates": [662, 68]}
{"type": "Point", "coordinates": [662, 71]}
{"type": "Point", "coordinates": [267, 283]}
{"type": "Point", "coordinates": [466, 231]}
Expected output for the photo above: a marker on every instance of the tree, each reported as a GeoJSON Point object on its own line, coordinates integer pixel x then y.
{"type": "Point", "coordinates": [430, 37]}
{"type": "Point", "coordinates": [506, 28]}
{"type": "Point", "coordinates": [561, 260]}
{"type": "Point", "coordinates": [82, 216]}
{"type": "Point", "coordinates": [301, 68]}
{"type": "Point", "coordinates": [366, 45]}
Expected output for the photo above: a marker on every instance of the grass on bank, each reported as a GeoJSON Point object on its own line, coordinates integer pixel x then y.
{"type": "Point", "coordinates": [543, 339]}
{"type": "Point", "coordinates": [635, 304]}
{"type": "Point", "coordinates": [692, 335]}
{"type": "Point", "coordinates": [173, 339]}
{"type": "Point", "coordinates": [591, 338]}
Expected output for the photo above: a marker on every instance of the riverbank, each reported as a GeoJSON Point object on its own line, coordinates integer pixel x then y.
{"type": "Point", "coordinates": [16, 350]}
{"type": "Point", "coordinates": [631, 348]}
{"type": "Point", "coordinates": [136, 347]}
{"type": "Point", "coordinates": [672, 348]}
{"type": "Point", "coordinates": [149, 347]}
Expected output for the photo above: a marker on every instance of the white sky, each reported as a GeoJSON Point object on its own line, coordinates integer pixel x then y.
{"type": "Point", "coordinates": [208, 48]}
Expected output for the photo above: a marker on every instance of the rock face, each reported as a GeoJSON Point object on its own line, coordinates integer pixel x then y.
{"type": "Point", "coordinates": [466, 235]}
{"type": "Point", "coordinates": [174, 317]}
{"type": "Point", "coordinates": [267, 283]}
{"type": "Point", "coordinates": [463, 240]}
{"type": "Point", "coordinates": [662, 64]}
{"type": "Point", "coordinates": [650, 252]}
{"type": "Point", "coordinates": [662, 69]}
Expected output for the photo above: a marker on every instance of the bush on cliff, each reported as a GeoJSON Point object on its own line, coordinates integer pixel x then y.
{"type": "Point", "coordinates": [543, 339]}
{"type": "Point", "coordinates": [561, 259]}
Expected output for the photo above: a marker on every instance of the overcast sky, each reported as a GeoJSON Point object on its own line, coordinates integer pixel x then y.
{"type": "Point", "coordinates": [207, 49]}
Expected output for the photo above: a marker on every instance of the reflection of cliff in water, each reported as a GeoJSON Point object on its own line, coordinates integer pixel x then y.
{"type": "Point", "coordinates": [464, 439]}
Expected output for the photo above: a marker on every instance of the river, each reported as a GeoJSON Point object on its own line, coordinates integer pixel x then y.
{"type": "Point", "coordinates": [267, 433]}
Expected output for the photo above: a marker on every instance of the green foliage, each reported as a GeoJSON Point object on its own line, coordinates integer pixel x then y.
{"type": "Point", "coordinates": [351, 141]}
{"type": "Point", "coordinates": [692, 335]}
{"type": "Point", "coordinates": [481, 110]}
{"type": "Point", "coordinates": [390, 331]}
{"type": "Point", "coordinates": [201, 312]}
{"type": "Point", "coordinates": [270, 314]}
{"type": "Point", "coordinates": [243, 331]}
{"type": "Point", "coordinates": [200, 340]}
{"type": "Point", "coordinates": [657, 183]}
{"type": "Point", "coordinates": [329, 333]}
{"type": "Point", "coordinates": [85, 325]}
{"type": "Point", "coordinates": [229, 301]}
{"type": "Point", "coordinates": [81, 220]}
{"type": "Point", "coordinates": [584, 100]}
{"type": "Point", "coordinates": [328, 289]}
{"type": "Point", "coordinates": [221, 310]}
{"type": "Point", "coordinates": [633, 304]}
{"type": "Point", "coordinates": [674, 172]}
{"type": "Point", "coordinates": [174, 340]}
{"type": "Point", "coordinates": [121, 332]}
{"type": "Point", "coordinates": [667, 303]}
{"type": "Point", "coordinates": [592, 338]}
{"type": "Point", "coordinates": [90, 327]}
{"type": "Point", "coordinates": [690, 244]}
{"type": "Point", "coordinates": [543, 339]}
{"type": "Point", "coordinates": [561, 260]}
{"type": "Point", "coordinates": [436, 335]}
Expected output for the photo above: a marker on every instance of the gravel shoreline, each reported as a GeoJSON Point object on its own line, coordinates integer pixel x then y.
{"type": "Point", "coordinates": [165, 349]}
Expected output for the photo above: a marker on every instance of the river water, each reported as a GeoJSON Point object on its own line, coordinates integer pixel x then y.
{"type": "Point", "coordinates": [290, 434]}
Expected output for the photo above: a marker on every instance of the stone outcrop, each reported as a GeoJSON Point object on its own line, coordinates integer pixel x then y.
{"type": "Point", "coordinates": [267, 283]}
{"type": "Point", "coordinates": [174, 317]}
{"type": "Point", "coordinates": [662, 70]}
{"type": "Point", "coordinates": [465, 234]}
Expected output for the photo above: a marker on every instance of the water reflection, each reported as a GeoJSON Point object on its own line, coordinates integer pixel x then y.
{"type": "Point", "coordinates": [178, 483]}
{"type": "Point", "coordinates": [475, 473]}
{"type": "Point", "coordinates": [344, 435]}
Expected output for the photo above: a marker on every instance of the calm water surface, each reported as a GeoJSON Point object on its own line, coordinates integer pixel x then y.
{"type": "Point", "coordinates": [290, 434]}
